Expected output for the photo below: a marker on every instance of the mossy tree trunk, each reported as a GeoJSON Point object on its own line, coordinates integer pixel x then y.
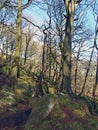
{"type": "Point", "coordinates": [16, 62]}
{"type": "Point", "coordinates": [66, 46]}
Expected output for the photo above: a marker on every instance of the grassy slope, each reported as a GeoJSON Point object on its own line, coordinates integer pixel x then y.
{"type": "Point", "coordinates": [68, 114]}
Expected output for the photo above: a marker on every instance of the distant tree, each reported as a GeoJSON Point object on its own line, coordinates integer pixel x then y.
{"type": "Point", "coordinates": [96, 46]}
{"type": "Point", "coordinates": [88, 69]}
{"type": "Point", "coordinates": [28, 39]}
{"type": "Point", "coordinates": [41, 75]}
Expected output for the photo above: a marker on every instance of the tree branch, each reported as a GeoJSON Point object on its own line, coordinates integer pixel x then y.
{"type": "Point", "coordinates": [31, 22]}
{"type": "Point", "coordinates": [27, 4]}
{"type": "Point", "coordinates": [3, 5]}
{"type": "Point", "coordinates": [96, 32]}
{"type": "Point", "coordinates": [78, 1]}
{"type": "Point", "coordinates": [83, 11]}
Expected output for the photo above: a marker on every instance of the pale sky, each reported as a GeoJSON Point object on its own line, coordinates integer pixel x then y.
{"type": "Point", "coordinates": [38, 16]}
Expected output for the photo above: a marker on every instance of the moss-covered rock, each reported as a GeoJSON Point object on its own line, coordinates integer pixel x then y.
{"type": "Point", "coordinates": [41, 110]}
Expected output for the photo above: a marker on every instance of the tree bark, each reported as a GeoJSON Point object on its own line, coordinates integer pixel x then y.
{"type": "Point", "coordinates": [96, 79]}
{"type": "Point", "coordinates": [66, 47]}
{"type": "Point", "coordinates": [16, 62]}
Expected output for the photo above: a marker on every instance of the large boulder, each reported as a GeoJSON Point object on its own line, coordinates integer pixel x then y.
{"type": "Point", "coordinates": [41, 110]}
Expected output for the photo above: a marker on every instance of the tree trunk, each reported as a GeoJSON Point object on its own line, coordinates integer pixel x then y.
{"type": "Point", "coordinates": [28, 39]}
{"type": "Point", "coordinates": [16, 62]}
{"type": "Point", "coordinates": [96, 80]}
{"type": "Point", "coordinates": [50, 60]}
{"type": "Point", "coordinates": [76, 69]}
{"type": "Point", "coordinates": [66, 47]}
{"type": "Point", "coordinates": [39, 90]}
{"type": "Point", "coordinates": [87, 72]}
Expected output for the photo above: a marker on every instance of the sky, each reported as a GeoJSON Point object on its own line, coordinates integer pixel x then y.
{"type": "Point", "coordinates": [38, 16]}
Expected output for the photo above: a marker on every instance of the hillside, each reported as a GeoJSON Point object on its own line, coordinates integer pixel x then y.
{"type": "Point", "coordinates": [58, 111]}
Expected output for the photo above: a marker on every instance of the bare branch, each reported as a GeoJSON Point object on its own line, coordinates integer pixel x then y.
{"type": "Point", "coordinates": [3, 4]}
{"type": "Point", "coordinates": [27, 4]}
{"type": "Point", "coordinates": [31, 22]}
{"type": "Point", "coordinates": [78, 1]}
{"type": "Point", "coordinates": [83, 11]}
{"type": "Point", "coordinates": [96, 32]}
{"type": "Point", "coordinates": [6, 3]}
{"type": "Point", "coordinates": [10, 27]}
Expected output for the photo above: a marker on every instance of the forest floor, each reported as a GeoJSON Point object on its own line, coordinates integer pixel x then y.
{"type": "Point", "coordinates": [70, 113]}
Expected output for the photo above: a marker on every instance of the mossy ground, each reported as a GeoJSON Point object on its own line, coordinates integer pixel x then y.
{"type": "Point", "coordinates": [69, 113]}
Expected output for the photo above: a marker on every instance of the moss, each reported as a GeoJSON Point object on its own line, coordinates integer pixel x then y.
{"type": "Point", "coordinates": [60, 126]}
{"type": "Point", "coordinates": [79, 113]}
{"type": "Point", "coordinates": [22, 83]}
{"type": "Point", "coordinates": [52, 90]}
{"type": "Point", "coordinates": [65, 100]}
{"type": "Point", "coordinates": [93, 122]}
{"type": "Point", "coordinates": [8, 99]}
{"type": "Point", "coordinates": [75, 105]}
{"type": "Point", "coordinates": [23, 73]}
{"type": "Point", "coordinates": [76, 126]}
{"type": "Point", "coordinates": [57, 113]}
{"type": "Point", "coordinates": [7, 69]}
{"type": "Point", "coordinates": [28, 127]}
{"type": "Point", "coordinates": [47, 124]}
